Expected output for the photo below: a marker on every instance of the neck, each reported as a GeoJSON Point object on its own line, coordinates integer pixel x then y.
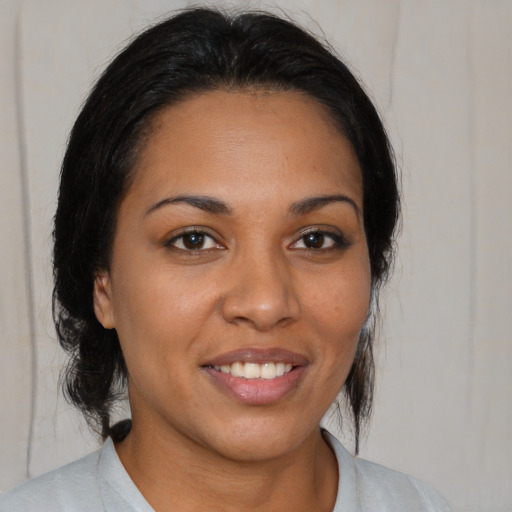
{"type": "Point", "coordinates": [173, 471]}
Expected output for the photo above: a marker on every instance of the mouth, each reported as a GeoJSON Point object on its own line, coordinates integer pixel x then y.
{"type": "Point", "coordinates": [256, 376]}
{"type": "Point", "coordinates": [267, 371]}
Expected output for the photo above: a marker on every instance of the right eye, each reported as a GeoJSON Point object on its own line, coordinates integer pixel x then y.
{"type": "Point", "coordinates": [193, 241]}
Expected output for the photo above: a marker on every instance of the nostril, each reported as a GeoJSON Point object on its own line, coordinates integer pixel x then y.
{"type": "Point", "coordinates": [261, 313]}
{"type": "Point", "coordinates": [259, 291]}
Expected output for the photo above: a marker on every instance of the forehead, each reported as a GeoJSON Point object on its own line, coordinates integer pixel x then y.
{"type": "Point", "coordinates": [264, 140]}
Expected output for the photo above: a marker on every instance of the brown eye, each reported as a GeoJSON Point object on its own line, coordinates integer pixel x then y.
{"type": "Point", "coordinates": [314, 240]}
{"type": "Point", "coordinates": [194, 241]}
{"type": "Point", "coordinates": [317, 240]}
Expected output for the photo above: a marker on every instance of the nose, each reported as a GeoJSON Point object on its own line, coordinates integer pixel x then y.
{"type": "Point", "coordinates": [260, 293]}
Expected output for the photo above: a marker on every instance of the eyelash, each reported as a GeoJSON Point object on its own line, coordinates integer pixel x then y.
{"type": "Point", "coordinates": [337, 239]}
{"type": "Point", "coordinates": [172, 243]}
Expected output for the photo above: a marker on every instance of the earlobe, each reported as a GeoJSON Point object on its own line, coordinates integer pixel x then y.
{"type": "Point", "coordinates": [102, 298]}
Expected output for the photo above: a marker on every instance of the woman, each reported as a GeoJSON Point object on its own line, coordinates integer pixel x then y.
{"type": "Point", "coordinates": [226, 214]}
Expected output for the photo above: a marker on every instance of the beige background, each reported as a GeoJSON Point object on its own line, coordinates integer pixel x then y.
{"type": "Point", "coordinates": [441, 74]}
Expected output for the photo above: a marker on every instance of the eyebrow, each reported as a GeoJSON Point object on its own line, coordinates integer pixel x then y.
{"type": "Point", "coordinates": [310, 204]}
{"type": "Point", "coordinates": [217, 207]}
{"type": "Point", "coordinates": [207, 204]}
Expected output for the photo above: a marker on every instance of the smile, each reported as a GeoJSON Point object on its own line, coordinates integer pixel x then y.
{"type": "Point", "coordinates": [268, 371]}
{"type": "Point", "coordinates": [257, 376]}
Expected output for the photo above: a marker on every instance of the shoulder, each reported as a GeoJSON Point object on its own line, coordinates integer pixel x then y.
{"type": "Point", "coordinates": [71, 488]}
{"type": "Point", "coordinates": [369, 486]}
{"type": "Point", "coordinates": [384, 485]}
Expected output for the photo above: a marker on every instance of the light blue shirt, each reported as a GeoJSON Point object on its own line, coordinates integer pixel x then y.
{"type": "Point", "coordinates": [99, 482]}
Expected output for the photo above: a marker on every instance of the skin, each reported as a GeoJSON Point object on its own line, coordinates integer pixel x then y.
{"type": "Point", "coordinates": [255, 283]}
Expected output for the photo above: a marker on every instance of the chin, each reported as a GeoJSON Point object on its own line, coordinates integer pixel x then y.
{"type": "Point", "coordinates": [259, 441]}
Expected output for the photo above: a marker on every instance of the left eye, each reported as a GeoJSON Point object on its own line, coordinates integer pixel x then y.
{"type": "Point", "coordinates": [193, 241]}
{"type": "Point", "coordinates": [318, 240]}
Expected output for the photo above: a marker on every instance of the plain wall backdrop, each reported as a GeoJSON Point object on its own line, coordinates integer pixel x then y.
{"type": "Point", "coordinates": [440, 72]}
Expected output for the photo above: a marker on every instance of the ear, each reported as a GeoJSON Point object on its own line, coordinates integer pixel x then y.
{"type": "Point", "coordinates": [102, 298]}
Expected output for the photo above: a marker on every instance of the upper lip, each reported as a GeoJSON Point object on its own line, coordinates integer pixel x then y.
{"type": "Point", "coordinates": [258, 356]}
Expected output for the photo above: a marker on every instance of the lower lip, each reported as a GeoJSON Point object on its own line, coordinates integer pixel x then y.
{"type": "Point", "coordinates": [257, 391]}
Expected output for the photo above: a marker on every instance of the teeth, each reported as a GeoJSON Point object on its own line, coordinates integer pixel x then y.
{"type": "Point", "coordinates": [251, 371]}
{"type": "Point", "coordinates": [237, 370]}
{"type": "Point", "coordinates": [266, 371]}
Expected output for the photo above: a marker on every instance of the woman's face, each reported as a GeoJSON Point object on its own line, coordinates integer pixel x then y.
{"type": "Point", "coordinates": [240, 277]}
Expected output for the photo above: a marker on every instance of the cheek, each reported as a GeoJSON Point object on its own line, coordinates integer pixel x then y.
{"type": "Point", "coordinates": [338, 309]}
{"type": "Point", "coordinates": [340, 303]}
{"type": "Point", "coordinates": [158, 314]}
